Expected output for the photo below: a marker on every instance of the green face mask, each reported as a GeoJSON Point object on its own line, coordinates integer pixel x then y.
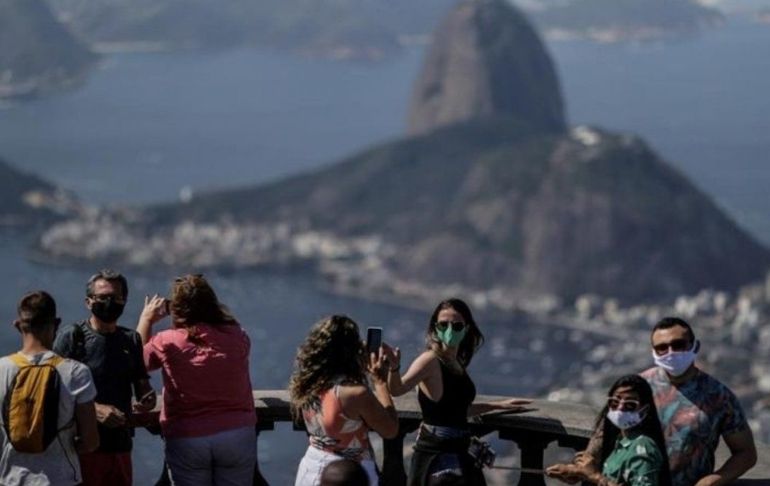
{"type": "Point", "coordinates": [450, 337]}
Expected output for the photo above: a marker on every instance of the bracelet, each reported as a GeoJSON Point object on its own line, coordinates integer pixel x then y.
{"type": "Point", "coordinates": [393, 370]}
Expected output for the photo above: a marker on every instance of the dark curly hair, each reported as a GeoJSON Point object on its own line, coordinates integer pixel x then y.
{"type": "Point", "coordinates": [332, 350]}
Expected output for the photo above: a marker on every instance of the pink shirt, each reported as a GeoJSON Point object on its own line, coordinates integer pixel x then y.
{"type": "Point", "coordinates": [206, 388]}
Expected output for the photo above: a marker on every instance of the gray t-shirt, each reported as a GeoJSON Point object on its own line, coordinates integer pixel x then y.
{"type": "Point", "coordinates": [57, 465]}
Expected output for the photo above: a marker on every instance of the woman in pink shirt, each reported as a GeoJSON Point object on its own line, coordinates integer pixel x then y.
{"type": "Point", "coordinates": [208, 414]}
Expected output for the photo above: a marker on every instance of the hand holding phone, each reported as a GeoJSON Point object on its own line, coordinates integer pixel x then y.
{"type": "Point", "coordinates": [373, 340]}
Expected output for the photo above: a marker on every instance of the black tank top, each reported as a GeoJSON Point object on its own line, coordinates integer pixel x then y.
{"type": "Point", "coordinates": [452, 409]}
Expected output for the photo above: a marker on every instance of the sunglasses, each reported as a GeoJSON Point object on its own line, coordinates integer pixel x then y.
{"type": "Point", "coordinates": [625, 405]}
{"type": "Point", "coordinates": [105, 297]}
{"type": "Point", "coordinates": [677, 345]}
{"type": "Point", "coordinates": [456, 325]}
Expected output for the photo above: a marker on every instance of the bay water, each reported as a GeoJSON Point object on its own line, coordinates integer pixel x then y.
{"type": "Point", "coordinates": [149, 125]}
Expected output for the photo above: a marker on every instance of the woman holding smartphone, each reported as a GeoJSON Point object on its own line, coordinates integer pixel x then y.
{"type": "Point", "coordinates": [330, 392]}
{"type": "Point", "coordinates": [208, 413]}
{"type": "Point", "coordinates": [446, 394]}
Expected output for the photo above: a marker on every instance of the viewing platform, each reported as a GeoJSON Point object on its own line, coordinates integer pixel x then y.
{"type": "Point", "coordinates": [542, 423]}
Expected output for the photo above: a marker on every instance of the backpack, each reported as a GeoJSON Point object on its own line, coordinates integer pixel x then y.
{"type": "Point", "coordinates": [31, 408]}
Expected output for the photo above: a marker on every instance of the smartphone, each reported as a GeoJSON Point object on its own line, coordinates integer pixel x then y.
{"type": "Point", "coordinates": [167, 306]}
{"type": "Point", "coordinates": [373, 339]}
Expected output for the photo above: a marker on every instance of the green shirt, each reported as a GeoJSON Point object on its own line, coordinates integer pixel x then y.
{"type": "Point", "coordinates": [635, 461]}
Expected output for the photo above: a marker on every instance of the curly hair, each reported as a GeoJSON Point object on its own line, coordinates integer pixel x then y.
{"type": "Point", "coordinates": [332, 350]}
{"type": "Point", "coordinates": [472, 340]}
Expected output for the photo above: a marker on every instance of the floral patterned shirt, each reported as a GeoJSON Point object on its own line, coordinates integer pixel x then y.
{"type": "Point", "coordinates": [694, 415]}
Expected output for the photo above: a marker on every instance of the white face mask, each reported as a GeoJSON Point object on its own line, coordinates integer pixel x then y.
{"type": "Point", "coordinates": [676, 363]}
{"type": "Point", "coordinates": [625, 420]}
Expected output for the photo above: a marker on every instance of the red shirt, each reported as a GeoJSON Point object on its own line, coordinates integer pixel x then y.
{"type": "Point", "coordinates": [206, 387]}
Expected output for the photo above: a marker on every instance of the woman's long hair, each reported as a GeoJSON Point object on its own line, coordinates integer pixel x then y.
{"type": "Point", "coordinates": [473, 338]}
{"type": "Point", "coordinates": [650, 425]}
{"type": "Point", "coordinates": [332, 350]}
{"type": "Point", "coordinates": [193, 301]}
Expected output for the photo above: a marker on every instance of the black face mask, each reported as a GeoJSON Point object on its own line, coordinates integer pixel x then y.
{"type": "Point", "coordinates": [107, 310]}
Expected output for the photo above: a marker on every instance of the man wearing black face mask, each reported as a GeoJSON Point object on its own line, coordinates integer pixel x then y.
{"type": "Point", "coordinates": [114, 355]}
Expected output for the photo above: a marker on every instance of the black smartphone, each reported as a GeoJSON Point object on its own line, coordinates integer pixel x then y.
{"type": "Point", "coordinates": [373, 339]}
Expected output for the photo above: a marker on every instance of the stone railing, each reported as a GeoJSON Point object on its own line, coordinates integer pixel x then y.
{"type": "Point", "coordinates": [542, 423]}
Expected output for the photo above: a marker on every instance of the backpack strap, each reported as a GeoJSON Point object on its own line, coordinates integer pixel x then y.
{"type": "Point", "coordinates": [79, 342]}
{"type": "Point", "coordinates": [22, 362]}
{"type": "Point", "coordinates": [19, 360]}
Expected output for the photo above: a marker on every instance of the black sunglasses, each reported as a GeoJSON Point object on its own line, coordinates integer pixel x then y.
{"type": "Point", "coordinates": [456, 325]}
{"type": "Point", "coordinates": [677, 345]}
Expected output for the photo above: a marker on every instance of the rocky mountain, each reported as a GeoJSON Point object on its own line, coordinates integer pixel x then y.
{"type": "Point", "coordinates": [37, 53]}
{"type": "Point", "coordinates": [26, 199]}
{"type": "Point", "coordinates": [486, 60]}
{"type": "Point", "coordinates": [497, 204]}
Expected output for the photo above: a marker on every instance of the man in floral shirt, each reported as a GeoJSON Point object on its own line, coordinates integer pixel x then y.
{"type": "Point", "coordinates": [695, 410]}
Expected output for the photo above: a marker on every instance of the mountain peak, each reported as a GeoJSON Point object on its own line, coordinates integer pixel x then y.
{"type": "Point", "coordinates": [486, 60]}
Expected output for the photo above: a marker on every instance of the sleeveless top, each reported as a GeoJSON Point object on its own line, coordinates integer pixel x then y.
{"type": "Point", "coordinates": [331, 431]}
{"type": "Point", "coordinates": [452, 409]}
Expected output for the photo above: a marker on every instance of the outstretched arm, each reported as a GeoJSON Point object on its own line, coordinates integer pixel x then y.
{"type": "Point", "coordinates": [421, 369]}
{"type": "Point", "coordinates": [584, 468]}
{"type": "Point", "coordinates": [508, 404]}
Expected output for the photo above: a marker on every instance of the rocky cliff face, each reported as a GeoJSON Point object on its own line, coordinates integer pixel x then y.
{"type": "Point", "coordinates": [37, 53]}
{"type": "Point", "coordinates": [486, 60]}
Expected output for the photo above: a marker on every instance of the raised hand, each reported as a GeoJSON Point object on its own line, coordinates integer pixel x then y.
{"type": "Point", "coordinates": [392, 355]}
{"type": "Point", "coordinates": [154, 309]}
{"type": "Point", "coordinates": [378, 366]}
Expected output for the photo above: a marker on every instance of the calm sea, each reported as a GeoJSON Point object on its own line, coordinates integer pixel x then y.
{"type": "Point", "coordinates": [148, 125]}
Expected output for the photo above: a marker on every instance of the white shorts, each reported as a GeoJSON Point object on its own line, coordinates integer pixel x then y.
{"type": "Point", "coordinates": [315, 460]}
